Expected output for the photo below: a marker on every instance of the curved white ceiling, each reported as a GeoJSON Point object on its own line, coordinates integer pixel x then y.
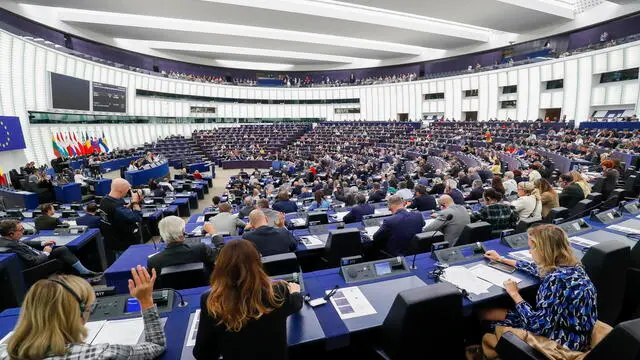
{"type": "Point", "coordinates": [314, 34]}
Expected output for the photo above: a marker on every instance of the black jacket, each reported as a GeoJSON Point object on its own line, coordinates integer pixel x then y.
{"type": "Point", "coordinates": [264, 338]}
{"type": "Point", "coordinates": [124, 224]}
{"type": "Point", "coordinates": [181, 253]}
{"type": "Point", "coordinates": [475, 194]}
{"type": "Point", "coordinates": [423, 203]}
{"type": "Point", "coordinates": [271, 241]}
{"type": "Point", "coordinates": [377, 196]}
{"type": "Point", "coordinates": [28, 254]}
{"type": "Point", "coordinates": [46, 222]}
{"type": "Point", "coordinates": [357, 212]}
{"type": "Point", "coordinates": [570, 196]}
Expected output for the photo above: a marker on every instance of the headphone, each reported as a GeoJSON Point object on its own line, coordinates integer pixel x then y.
{"type": "Point", "coordinates": [82, 304]}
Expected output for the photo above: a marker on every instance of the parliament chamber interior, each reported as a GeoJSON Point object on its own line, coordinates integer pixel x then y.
{"type": "Point", "coordinates": [306, 179]}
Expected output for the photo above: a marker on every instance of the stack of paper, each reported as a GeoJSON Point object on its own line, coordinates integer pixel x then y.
{"type": "Point", "coordinates": [298, 222]}
{"type": "Point", "coordinates": [382, 211]}
{"type": "Point", "coordinates": [624, 229]}
{"type": "Point", "coordinates": [462, 278]}
{"type": "Point", "coordinates": [371, 230]}
{"type": "Point", "coordinates": [311, 240]}
{"type": "Point", "coordinates": [350, 303]}
{"type": "Point", "coordinates": [582, 241]}
{"type": "Point", "coordinates": [523, 255]}
{"type": "Point", "coordinates": [494, 276]}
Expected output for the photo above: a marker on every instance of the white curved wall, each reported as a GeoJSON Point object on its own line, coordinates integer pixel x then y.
{"type": "Point", "coordinates": [24, 86]}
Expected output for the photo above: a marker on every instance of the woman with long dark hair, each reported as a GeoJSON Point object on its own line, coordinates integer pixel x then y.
{"type": "Point", "coordinates": [244, 315]}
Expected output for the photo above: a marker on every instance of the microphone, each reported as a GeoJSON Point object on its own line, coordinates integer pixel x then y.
{"type": "Point", "coordinates": [182, 302]}
{"type": "Point", "coordinates": [577, 216]}
{"type": "Point", "coordinates": [449, 217]}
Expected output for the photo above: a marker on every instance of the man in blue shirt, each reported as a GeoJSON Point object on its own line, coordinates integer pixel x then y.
{"type": "Point", "coordinates": [283, 204]}
{"type": "Point", "coordinates": [90, 219]}
{"type": "Point", "coordinates": [360, 210]}
{"type": "Point", "coordinates": [396, 231]}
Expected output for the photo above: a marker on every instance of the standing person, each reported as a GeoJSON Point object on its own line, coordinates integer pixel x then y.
{"type": "Point", "coordinates": [244, 315]}
{"type": "Point", "coordinates": [59, 308]}
{"type": "Point", "coordinates": [124, 218]}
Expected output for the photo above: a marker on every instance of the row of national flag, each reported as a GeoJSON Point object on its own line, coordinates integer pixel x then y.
{"type": "Point", "coordinates": [70, 144]}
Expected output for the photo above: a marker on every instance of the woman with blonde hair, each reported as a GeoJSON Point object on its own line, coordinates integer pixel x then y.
{"type": "Point", "coordinates": [55, 310]}
{"type": "Point", "coordinates": [548, 196]}
{"type": "Point", "coordinates": [579, 179]}
{"type": "Point", "coordinates": [244, 315]}
{"type": "Point", "coordinates": [528, 203]}
{"type": "Point", "coordinates": [565, 309]}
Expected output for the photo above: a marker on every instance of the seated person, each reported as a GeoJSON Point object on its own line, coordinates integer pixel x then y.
{"type": "Point", "coordinates": [11, 231]}
{"type": "Point", "coordinates": [156, 191]}
{"type": "Point", "coordinates": [216, 202]}
{"type": "Point", "coordinates": [528, 204]}
{"type": "Point", "coordinates": [403, 192]}
{"type": "Point", "coordinates": [274, 218]}
{"type": "Point", "coordinates": [197, 175]}
{"type": "Point", "coordinates": [319, 201]}
{"type": "Point", "coordinates": [422, 201]}
{"type": "Point", "coordinates": [566, 308]}
{"type": "Point", "coordinates": [90, 219]}
{"type": "Point", "coordinates": [304, 193]}
{"type": "Point", "coordinates": [171, 230]}
{"type": "Point", "coordinates": [377, 195]}
{"type": "Point", "coordinates": [283, 204]}
{"type": "Point", "coordinates": [607, 183]}
{"type": "Point", "coordinates": [451, 189]}
{"type": "Point", "coordinates": [47, 221]}
{"type": "Point", "coordinates": [247, 208]}
{"type": "Point", "coordinates": [52, 307]}
{"type": "Point", "coordinates": [224, 222]}
{"type": "Point", "coordinates": [268, 240]}
{"type": "Point", "coordinates": [244, 314]}
{"type": "Point", "coordinates": [78, 178]}
{"type": "Point", "coordinates": [165, 184]}
{"type": "Point", "coordinates": [395, 234]}
{"type": "Point", "coordinates": [500, 216]}
{"type": "Point", "coordinates": [476, 191]}
{"type": "Point", "coordinates": [571, 193]}
{"type": "Point", "coordinates": [450, 221]}
{"type": "Point", "coordinates": [358, 211]}
{"type": "Point", "coordinates": [438, 187]}
{"type": "Point", "coordinates": [132, 166]}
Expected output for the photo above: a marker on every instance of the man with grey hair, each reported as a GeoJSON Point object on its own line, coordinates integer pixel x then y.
{"type": "Point", "coordinates": [476, 191]}
{"type": "Point", "coordinates": [451, 189]}
{"type": "Point", "coordinates": [450, 221]}
{"type": "Point", "coordinates": [268, 240]}
{"type": "Point", "coordinates": [177, 252]}
{"type": "Point", "coordinates": [248, 207]}
{"type": "Point", "coordinates": [395, 234]}
{"type": "Point", "coordinates": [224, 222]}
{"type": "Point", "coordinates": [510, 185]}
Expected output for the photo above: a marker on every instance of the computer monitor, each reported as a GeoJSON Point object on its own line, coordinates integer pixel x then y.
{"type": "Point", "coordinates": [317, 217]}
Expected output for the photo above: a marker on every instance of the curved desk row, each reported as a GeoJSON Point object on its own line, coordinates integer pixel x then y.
{"type": "Point", "coordinates": [19, 198]}
{"type": "Point", "coordinates": [141, 177]}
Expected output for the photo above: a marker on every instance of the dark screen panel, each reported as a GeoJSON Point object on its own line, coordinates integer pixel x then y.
{"type": "Point", "coordinates": [109, 98]}
{"type": "Point", "coordinates": [69, 93]}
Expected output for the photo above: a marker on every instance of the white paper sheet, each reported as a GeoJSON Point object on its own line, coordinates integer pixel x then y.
{"type": "Point", "coordinates": [494, 276]}
{"type": "Point", "coordinates": [523, 255]}
{"type": "Point", "coordinates": [371, 230]}
{"type": "Point", "coordinates": [624, 229]}
{"type": "Point", "coordinates": [6, 337]}
{"type": "Point", "coordinates": [71, 222]}
{"type": "Point", "coordinates": [351, 303]}
{"type": "Point", "coordinates": [461, 277]}
{"type": "Point", "coordinates": [582, 241]}
{"type": "Point", "coordinates": [298, 222]}
{"type": "Point", "coordinates": [428, 222]}
{"type": "Point", "coordinates": [197, 230]}
{"type": "Point", "coordinates": [125, 332]}
{"type": "Point", "coordinates": [94, 328]}
{"type": "Point", "coordinates": [311, 240]}
{"type": "Point", "coordinates": [339, 216]}
{"type": "Point", "coordinates": [200, 219]}
{"type": "Point", "coordinates": [193, 331]}
{"type": "Point", "coordinates": [382, 211]}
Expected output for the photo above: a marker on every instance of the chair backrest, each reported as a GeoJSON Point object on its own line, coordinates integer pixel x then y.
{"type": "Point", "coordinates": [422, 242]}
{"type": "Point", "coordinates": [613, 200]}
{"type": "Point", "coordinates": [606, 264]}
{"type": "Point", "coordinates": [342, 243]}
{"type": "Point", "coordinates": [280, 264]}
{"type": "Point", "coordinates": [41, 271]}
{"type": "Point", "coordinates": [403, 332]}
{"type": "Point", "coordinates": [557, 213]}
{"type": "Point", "coordinates": [630, 183]}
{"type": "Point", "coordinates": [623, 342]}
{"type": "Point", "coordinates": [183, 276]}
{"type": "Point", "coordinates": [596, 198]}
{"type": "Point", "coordinates": [525, 224]}
{"type": "Point", "coordinates": [581, 209]}
{"type": "Point", "coordinates": [474, 232]}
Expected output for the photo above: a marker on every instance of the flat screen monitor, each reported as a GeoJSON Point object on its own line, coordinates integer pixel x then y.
{"type": "Point", "coordinates": [69, 93]}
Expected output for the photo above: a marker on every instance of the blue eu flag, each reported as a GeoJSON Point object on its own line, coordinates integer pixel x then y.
{"type": "Point", "coordinates": [11, 137]}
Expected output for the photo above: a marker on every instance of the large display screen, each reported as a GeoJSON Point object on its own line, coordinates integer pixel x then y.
{"type": "Point", "coordinates": [109, 98]}
{"type": "Point", "coordinates": [69, 93]}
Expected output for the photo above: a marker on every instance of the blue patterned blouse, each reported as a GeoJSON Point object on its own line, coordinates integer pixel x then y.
{"type": "Point", "coordinates": [565, 307]}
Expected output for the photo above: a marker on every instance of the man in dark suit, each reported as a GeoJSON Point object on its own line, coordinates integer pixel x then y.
{"type": "Point", "coordinates": [90, 219]}
{"type": "Point", "coordinates": [47, 221]}
{"type": "Point", "coordinates": [422, 200]}
{"type": "Point", "coordinates": [476, 191]}
{"type": "Point", "coordinates": [267, 239]}
{"type": "Point", "coordinates": [283, 204]}
{"type": "Point", "coordinates": [377, 195]}
{"type": "Point", "coordinates": [177, 252]}
{"type": "Point", "coordinates": [396, 231]}
{"type": "Point", "coordinates": [358, 211]}
{"type": "Point", "coordinates": [11, 231]}
{"type": "Point", "coordinates": [247, 208]}
{"type": "Point", "coordinates": [571, 192]}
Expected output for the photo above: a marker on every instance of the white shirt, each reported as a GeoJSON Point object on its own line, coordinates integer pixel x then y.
{"type": "Point", "coordinates": [168, 185]}
{"type": "Point", "coordinates": [510, 186]}
{"type": "Point", "coordinates": [527, 206]}
{"type": "Point", "coordinates": [79, 179]}
{"type": "Point", "coordinates": [132, 168]}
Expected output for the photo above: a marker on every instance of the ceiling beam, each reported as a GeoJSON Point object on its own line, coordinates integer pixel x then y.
{"type": "Point", "coordinates": [552, 7]}
{"type": "Point", "coordinates": [144, 21]}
